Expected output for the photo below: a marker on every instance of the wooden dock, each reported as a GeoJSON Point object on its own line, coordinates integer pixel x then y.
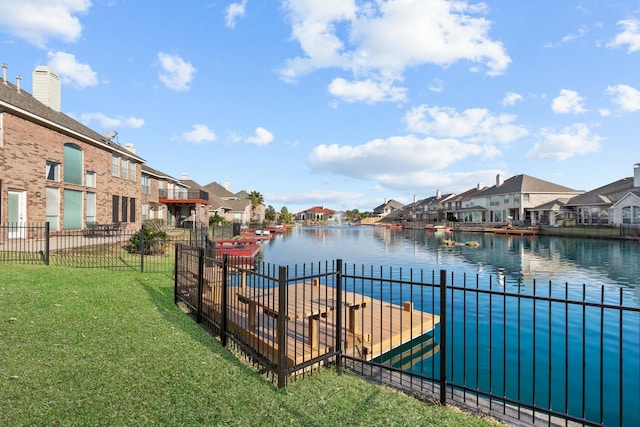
{"type": "Point", "coordinates": [371, 328]}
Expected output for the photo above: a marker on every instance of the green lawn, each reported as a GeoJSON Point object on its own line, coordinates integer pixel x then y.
{"type": "Point", "coordinates": [94, 347]}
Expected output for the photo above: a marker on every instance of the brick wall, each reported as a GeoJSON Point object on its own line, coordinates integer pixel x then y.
{"type": "Point", "coordinates": [25, 150]}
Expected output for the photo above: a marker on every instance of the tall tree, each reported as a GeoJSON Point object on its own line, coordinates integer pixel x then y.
{"type": "Point", "coordinates": [285, 216]}
{"type": "Point", "coordinates": [256, 200]}
{"type": "Point", "coordinates": [270, 214]}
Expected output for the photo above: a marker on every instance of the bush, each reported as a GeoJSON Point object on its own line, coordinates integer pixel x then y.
{"type": "Point", "coordinates": [155, 241]}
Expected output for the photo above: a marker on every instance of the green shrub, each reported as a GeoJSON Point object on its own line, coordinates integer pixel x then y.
{"type": "Point", "coordinates": [155, 241]}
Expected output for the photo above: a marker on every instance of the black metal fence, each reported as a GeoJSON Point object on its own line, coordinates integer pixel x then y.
{"type": "Point", "coordinates": [149, 248]}
{"type": "Point", "coordinates": [529, 354]}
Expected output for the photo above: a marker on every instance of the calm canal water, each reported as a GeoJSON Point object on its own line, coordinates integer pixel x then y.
{"type": "Point", "coordinates": [583, 268]}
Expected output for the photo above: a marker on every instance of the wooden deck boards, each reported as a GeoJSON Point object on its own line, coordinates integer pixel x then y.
{"type": "Point", "coordinates": [371, 327]}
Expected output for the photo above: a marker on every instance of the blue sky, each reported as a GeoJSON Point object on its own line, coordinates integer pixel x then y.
{"type": "Point", "coordinates": [346, 103]}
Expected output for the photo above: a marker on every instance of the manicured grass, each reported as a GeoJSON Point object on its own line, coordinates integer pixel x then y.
{"type": "Point", "coordinates": [96, 347]}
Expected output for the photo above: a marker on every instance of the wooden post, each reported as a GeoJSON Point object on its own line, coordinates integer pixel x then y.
{"type": "Point", "coordinates": [408, 306]}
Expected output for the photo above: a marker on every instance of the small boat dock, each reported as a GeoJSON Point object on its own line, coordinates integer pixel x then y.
{"type": "Point", "coordinates": [371, 328]}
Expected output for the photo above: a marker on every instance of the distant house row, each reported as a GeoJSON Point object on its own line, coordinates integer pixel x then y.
{"type": "Point", "coordinates": [55, 169]}
{"type": "Point", "coordinates": [528, 200]}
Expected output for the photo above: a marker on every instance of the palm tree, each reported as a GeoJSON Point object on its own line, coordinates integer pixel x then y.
{"type": "Point", "coordinates": [256, 200]}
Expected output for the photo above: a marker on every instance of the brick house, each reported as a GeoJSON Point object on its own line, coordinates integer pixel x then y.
{"type": "Point", "coordinates": [55, 169]}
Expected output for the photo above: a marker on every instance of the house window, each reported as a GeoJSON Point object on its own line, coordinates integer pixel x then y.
{"type": "Point", "coordinates": [125, 209]}
{"type": "Point", "coordinates": [144, 212]}
{"type": "Point", "coordinates": [91, 208]}
{"type": "Point", "coordinates": [72, 210]}
{"type": "Point", "coordinates": [73, 167]}
{"type": "Point", "coordinates": [146, 184]}
{"type": "Point", "coordinates": [132, 170]}
{"type": "Point", "coordinates": [52, 209]}
{"type": "Point", "coordinates": [525, 198]}
{"type": "Point", "coordinates": [115, 208]}
{"type": "Point", "coordinates": [516, 198]}
{"type": "Point", "coordinates": [495, 200]}
{"type": "Point", "coordinates": [636, 214]}
{"type": "Point", "coordinates": [115, 165]}
{"type": "Point", "coordinates": [90, 179]}
{"type": "Point", "coordinates": [124, 169]}
{"type": "Point", "coordinates": [1, 129]}
{"type": "Point", "coordinates": [506, 199]}
{"type": "Point", "coordinates": [52, 171]}
{"type": "Point", "coordinates": [132, 210]}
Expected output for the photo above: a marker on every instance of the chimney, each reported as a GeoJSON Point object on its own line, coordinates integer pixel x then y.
{"type": "Point", "coordinates": [18, 80]}
{"type": "Point", "coordinates": [129, 146]}
{"type": "Point", "coordinates": [636, 175]}
{"type": "Point", "coordinates": [385, 200]}
{"type": "Point", "coordinates": [184, 176]}
{"type": "Point", "coordinates": [4, 73]}
{"type": "Point", "coordinates": [226, 184]}
{"type": "Point", "coordinates": [46, 87]}
{"type": "Point", "coordinates": [438, 195]}
{"type": "Point", "coordinates": [479, 187]}
{"type": "Point", "coordinates": [499, 180]}
{"type": "Point", "coordinates": [415, 198]}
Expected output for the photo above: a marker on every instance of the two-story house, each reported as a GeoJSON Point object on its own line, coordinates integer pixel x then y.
{"type": "Point", "coordinates": [55, 169]}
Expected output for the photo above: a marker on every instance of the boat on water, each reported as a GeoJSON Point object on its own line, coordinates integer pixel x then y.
{"type": "Point", "coordinates": [278, 229]}
{"type": "Point", "coordinates": [394, 226]}
{"type": "Point", "coordinates": [246, 248]}
{"type": "Point", "coordinates": [528, 231]}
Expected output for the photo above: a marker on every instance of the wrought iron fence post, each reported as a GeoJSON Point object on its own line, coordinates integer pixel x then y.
{"type": "Point", "coordinates": [142, 249]}
{"type": "Point", "coordinates": [443, 337]}
{"type": "Point", "coordinates": [47, 236]}
{"type": "Point", "coordinates": [339, 315]}
{"type": "Point", "coordinates": [200, 283]}
{"type": "Point", "coordinates": [281, 326]}
{"type": "Point", "coordinates": [175, 273]}
{"type": "Point", "coordinates": [225, 302]}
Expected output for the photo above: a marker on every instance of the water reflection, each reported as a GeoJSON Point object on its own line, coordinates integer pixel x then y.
{"type": "Point", "coordinates": [511, 261]}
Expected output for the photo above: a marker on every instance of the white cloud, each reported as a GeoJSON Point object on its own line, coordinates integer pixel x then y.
{"type": "Point", "coordinates": [511, 98]}
{"type": "Point", "coordinates": [572, 141]}
{"type": "Point", "coordinates": [72, 72]}
{"type": "Point", "coordinates": [568, 101]}
{"type": "Point", "coordinates": [176, 74]}
{"type": "Point", "coordinates": [395, 156]}
{"type": "Point", "coordinates": [475, 124]}
{"type": "Point", "coordinates": [38, 21]}
{"type": "Point", "coordinates": [626, 97]}
{"type": "Point", "coordinates": [364, 37]}
{"type": "Point", "coordinates": [107, 122]}
{"type": "Point", "coordinates": [630, 37]}
{"type": "Point", "coordinates": [235, 11]}
{"type": "Point", "coordinates": [261, 137]}
{"type": "Point", "coordinates": [200, 133]}
{"type": "Point", "coordinates": [437, 86]}
{"type": "Point", "coordinates": [366, 90]}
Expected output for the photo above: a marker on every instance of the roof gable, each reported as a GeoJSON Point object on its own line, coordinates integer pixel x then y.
{"type": "Point", "coordinates": [605, 195]}
{"type": "Point", "coordinates": [527, 184]}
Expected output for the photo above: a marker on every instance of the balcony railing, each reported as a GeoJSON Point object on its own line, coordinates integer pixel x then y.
{"type": "Point", "coordinates": [182, 195]}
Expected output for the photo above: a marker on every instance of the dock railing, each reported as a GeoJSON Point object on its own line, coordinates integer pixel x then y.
{"type": "Point", "coordinates": [528, 354]}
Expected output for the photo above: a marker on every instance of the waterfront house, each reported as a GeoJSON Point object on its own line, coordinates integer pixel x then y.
{"type": "Point", "coordinates": [316, 213]}
{"type": "Point", "coordinates": [233, 207]}
{"type": "Point", "coordinates": [512, 200]}
{"type": "Point", "coordinates": [469, 206]}
{"type": "Point", "coordinates": [55, 169]}
{"type": "Point", "coordinates": [613, 203]}
{"type": "Point", "coordinates": [387, 207]}
{"type": "Point", "coordinates": [153, 183]}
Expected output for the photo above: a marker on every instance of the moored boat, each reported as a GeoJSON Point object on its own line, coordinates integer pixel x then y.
{"type": "Point", "coordinates": [246, 248]}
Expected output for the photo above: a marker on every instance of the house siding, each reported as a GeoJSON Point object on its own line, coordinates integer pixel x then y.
{"type": "Point", "coordinates": [26, 148]}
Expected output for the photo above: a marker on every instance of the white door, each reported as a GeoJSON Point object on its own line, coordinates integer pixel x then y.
{"type": "Point", "coordinates": [17, 214]}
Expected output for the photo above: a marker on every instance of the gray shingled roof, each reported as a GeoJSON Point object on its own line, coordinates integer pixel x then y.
{"type": "Point", "coordinates": [23, 104]}
{"type": "Point", "coordinates": [527, 184]}
{"type": "Point", "coordinates": [218, 190]}
{"type": "Point", "coordinates": [605, 195]}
